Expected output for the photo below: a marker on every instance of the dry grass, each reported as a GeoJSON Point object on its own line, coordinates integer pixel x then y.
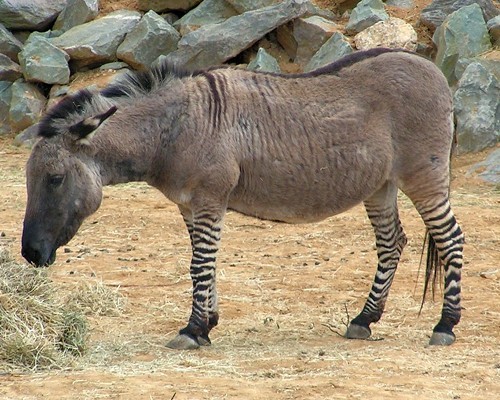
{"type": "Point", "coordinates": [39, 327]}
{"type": "Point", "coordinates": [94, 298]}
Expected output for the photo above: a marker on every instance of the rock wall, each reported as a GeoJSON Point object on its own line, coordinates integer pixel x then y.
{"type": "Point", "coordinates": [44, 44]}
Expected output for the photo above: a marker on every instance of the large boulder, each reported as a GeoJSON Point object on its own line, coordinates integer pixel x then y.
{"type": "Point", "coordinates": [265, 62]}
{"type": "Point", "coordinates": [9, 70]}
{"type": "Point", "coordinates": [75, 13]}
{"type": "Point", "coordinates": [335, 48]}
{"type": "Point", "coordinates": [365, 14]}
{"type": "Point", "coordinates": [208, 12]}
{"type": "Point", "coordinates": [477, 107]}
{"type": "Point", "coordinates": [152, 37]}
{"type": "Point", "coordinates": [5, 96]}
{"type": "Point", "coordinates": [307, 35]}
{"type": "Point", "coordinates": [26, 105]}
{"type": "Point", "coordinates": [303, 37]}
{"type": "Point", "coordinates": [213, 44]}
{"type": "Point", "coordinates": [9, 45]}
{"type": "Point", "coordinates": [392, 33]}
{"type": "Point", "coordinates": [96, 42]}
{"type": "Point", "coordinates": [435, 13]}
{"type": "Point", "coordinates": [29, 14]}
{"type": "Point", "coordinates": [463, 34]}
{"type": "Point", "coordinates": [41, 61]}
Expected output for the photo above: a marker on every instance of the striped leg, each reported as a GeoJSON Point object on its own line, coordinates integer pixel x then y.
{"type": "Point", "coordinates": [447, 240]}
{"type": "Point", "coordinates": [390, 240]}
{"type": "Point", "coordinates": [205, 229]}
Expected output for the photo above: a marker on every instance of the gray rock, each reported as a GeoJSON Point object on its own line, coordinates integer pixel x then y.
{"type": "Point", "coordinates": [303, 37]}
{"type": "Point", "coordinates": [493, 26]}
{"type": "Point", "coordinates": [9, 70]}
{"type": "Point", "coordinates": [434, 14]}
{"type": "Point", "coordinates": [392, 33]}
{"type": "Point", "coordinates": [404, 4]}
{"type": "Point", "coordinates": [5, 96]}
{"type": "Point", "coordinates": [263, 61]}
{"type": "Point", "coordinates": [151, 37]}
{"type": "Point", "coordinates": [477, 108]}
{"type": "Point", "coordinates": [314, 10]}
{"type": "Point", "coordinates": [167, 5]}
{"type": "Point", "coordinates": [208, 12]}
{"type": "Point", "coordinates": [214, 44]}
{"type": "Point", "coordinates": [9, 45]}
{"type": "Point", "coordinates": [26, 105]}
{"type": "Point", "coordinates": [491, 65]}
{"type": "Point", "coordinates": [334, 48]}
{"type": "Point", "coordinates": [76, 12]}
{"type": "Point", "coordinates": [249, 5]}
{"type": "Point", "coordinates": [462, 34]}
{"type": "Point", "coordinates": [310, 34]}
{"type": "Point", "coordinates": [29, 14]}
{"type": "Point", "coordinates": [96, 42]}
{"type": "Point", "coordinates": [490, 168]}
{"type": "Point", "coordinates": [41, 61]}
{"type": "Point", "coordinates": [365, 14]}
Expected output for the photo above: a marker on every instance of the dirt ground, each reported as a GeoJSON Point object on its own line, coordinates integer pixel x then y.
{"type": "Point", "coordinates": [284, 291]}
{"type": "Point", "coordinates": [284, 294]}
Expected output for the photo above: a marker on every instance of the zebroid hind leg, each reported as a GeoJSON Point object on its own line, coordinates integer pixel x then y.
{"type": "Point", "coordinates": [205, 229]}
{"type": "Point", "coordinates": [390, 240]}
{"type": "Point", "coordinates": [445, 249]}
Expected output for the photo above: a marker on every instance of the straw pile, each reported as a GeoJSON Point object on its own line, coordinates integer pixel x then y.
{"type": "Point", "coordinates": [40, 327]}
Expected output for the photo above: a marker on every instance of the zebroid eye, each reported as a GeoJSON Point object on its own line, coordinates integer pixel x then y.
{"type": "Point", "coordinates": [56, 180]}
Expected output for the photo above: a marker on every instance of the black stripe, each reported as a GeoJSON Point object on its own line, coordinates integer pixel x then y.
{"type": "Point", "coordinates": [201, 240]}
{"type": "Point", "coordinates": [452, 291]}
{"type": "Point", "coordinates": [216, 111]}
{"type": "Point", "coordinates": [206, 225]}
{"type": "Point", "coordinates": [203, 279]}
{"type": "Point", "coordinates": [199, 298]}
{"type": "Point", "coordinates": [457, 232]}
{"type": "Point", "coordinates": [208, 216]}
{"type": "Point", "coordinates": [200, 231]}
{"type": "Point", "coordinates": [443, 203]}
{"type": "Point", "coordinates": [203, 250]}
{"type": "Point", "coordinates": [221, 81]}
{"type": "Point", "coordinates": [439, 217]}
{"type": "Point", "coordinates": [202, 261]}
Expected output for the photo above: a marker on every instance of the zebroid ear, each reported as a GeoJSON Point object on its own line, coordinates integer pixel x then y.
{"type": "Point", "coordinates": [84, 130]}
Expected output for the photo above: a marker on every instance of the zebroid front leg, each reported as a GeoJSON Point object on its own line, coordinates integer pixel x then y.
{"type": "Point", "coordinates": [205, 236]}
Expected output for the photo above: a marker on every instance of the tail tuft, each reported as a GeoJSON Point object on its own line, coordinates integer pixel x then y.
{"type": "Point", "coordinates": [433, 268]}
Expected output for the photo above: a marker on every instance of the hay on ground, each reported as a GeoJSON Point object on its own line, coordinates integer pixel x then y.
{"type": "Point", "coordinates": [40, 327]}
{"type": "Point", "coordinates": [95, 298]}
{"type": "Point", "coordinates": [34, 321]}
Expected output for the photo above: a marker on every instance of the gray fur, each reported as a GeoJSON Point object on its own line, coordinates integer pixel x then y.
{"type": "Point", "coordinates": [288, 148]}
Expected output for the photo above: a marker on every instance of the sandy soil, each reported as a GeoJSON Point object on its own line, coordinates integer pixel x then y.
{"type": "Point", "coordinates": [284, 292]}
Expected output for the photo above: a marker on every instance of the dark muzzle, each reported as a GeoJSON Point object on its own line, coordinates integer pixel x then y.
{"type": "Point", "coordinates": [38, 252]}
{"type": "Point", "coordinates": [38, 257]}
